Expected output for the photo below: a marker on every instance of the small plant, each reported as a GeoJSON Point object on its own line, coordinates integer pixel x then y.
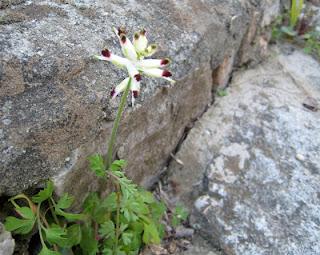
{"type": "Point", "coordinates": [180, 214]}
{"type": "Point", "coordinates": [296, 8]}
{"type": "Point", "coordinates": [296, 28]}
{"type": "Point", "coordinates": [57, 228]}
{"type": "Point", "coordinates": [128, 217]}
{"type": "Point", "coordinates": [222, 92]}
{"type": "Point", "coordinates": [312, 45]}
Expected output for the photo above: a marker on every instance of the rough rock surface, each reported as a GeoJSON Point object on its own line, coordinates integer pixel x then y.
{"type": "Point", "coordinates": [251, 164]}
{"type": "Point", "coordinates": [55, 108]}
{"type": "Point", "coordinates": [6, 242]}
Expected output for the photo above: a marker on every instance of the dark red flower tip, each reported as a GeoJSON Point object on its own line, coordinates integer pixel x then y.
{"type": "Point", "coordinates": [164, 61]}
{"type": "Point", "coordinates": [135, 93]}
{"type": "Point", "coordinates": [106, 53]}
{"type": "Point", "coordinates": [112, 93]}
{"type": "Point", "coordinates": [138, 77]}
{"type": "Point", "coordinates": [143, 32]}
{"type": "Point", "coordinates": [136, 36]}
{"type": "Point", "coordinates": [121, 30]}
{"type": "Point", "coordinates": [123, 38]}
{"type": "Point", "coordinates": [166, 73]}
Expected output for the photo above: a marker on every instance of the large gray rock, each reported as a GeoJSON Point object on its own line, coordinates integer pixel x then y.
{"type": "Point", "coordinates": [55, 108]}
{"type": "Point", "coordinates": [6, 241]}
{"type": "Point", "coordinates": [250, 168]}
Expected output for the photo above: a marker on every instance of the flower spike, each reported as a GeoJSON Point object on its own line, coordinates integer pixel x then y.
{"type": "Point", "coordinates": [120, 88]}
{"type": "Point", "coordinates": [114, 59]}
{"type": "Point", "coordinates": [140, 41]}
{"type": "Point", "coordinates": [134, 62]}
{"type": "Point", "coordinates": [158, 73]}
{"type": "Point", "coordinates": [153, 63]}
{"type": "Point", "coordinates": [150, 50]}
{"type": "Point", "coordinates": [128, 49]}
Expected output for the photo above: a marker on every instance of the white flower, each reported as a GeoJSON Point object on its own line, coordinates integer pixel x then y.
{"type": "Point", "coordinates": [134, 61]}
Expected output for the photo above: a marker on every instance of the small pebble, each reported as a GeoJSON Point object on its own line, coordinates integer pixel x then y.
{"type": "Point", "coordinates": [184, 232]}
{"type": "Point", "coordinates": [300, 157]}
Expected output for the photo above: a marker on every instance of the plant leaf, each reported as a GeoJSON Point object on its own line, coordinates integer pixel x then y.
{"type": "Point", "coordinates": [222, 92]}
{"type": "Point", "coordinates": [44, 194]}
{"type": "Point", "coordinates": [55, 234]}
{"type": "Point", "coordinates": [25, 212]}
{"type": "Point", "coordinates": [117, 165]}
{"type": "Point", "coordinates": [97, 165]}
{"type": "Point", "coordinates": [69, 216]}
{"type": "Point", "coordinates": [46, 251]}
{"type": "Point", "coordinates": [107, 251]}
{"type": "Point", "coordinates": [73, 236]}
{"type": "Point", "coordinates": [19, 226]}
{"type": "Point", "coordinates": [107, 229]}
{"type": "Point", "coordinates": [180, 214]}
{"type": "Point", "coordinates": [126, 238]}
{"type": "Point", "coordinates": [90, 203]}
{"type": "Point", "coordinates": [65, 201]}
{"type": "Point", "coordinates": [146, 196]}
{"type": "Point", "coordinates": [288, 31]}
{"type": "Point", "coordinates": [88, 242]}
{"type": "Point", "coordinates": [150, 234]}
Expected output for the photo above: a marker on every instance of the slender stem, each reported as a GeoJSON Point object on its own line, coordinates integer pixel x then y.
{"type": "Point", "coordinates": [115, 247]}
{"type": "Point", "coordinates": [23, 196]}
{"type": "Point", "coordinates": [39, 226]}
{"type": "Point", "coordinates": [53, 212]}
{"type": "Point", "coordinates": [116, 124]}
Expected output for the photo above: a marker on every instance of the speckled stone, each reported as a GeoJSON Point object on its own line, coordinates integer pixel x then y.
{"type": "Point", "coordinates": [250, 192]}
{"type": "Point", "coordinates": [55, 107]}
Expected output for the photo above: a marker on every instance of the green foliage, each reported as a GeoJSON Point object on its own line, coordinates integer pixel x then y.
{"type": "Point", "coordinates": [119, 223]}
{"type": "Point", "coordinates": [97, 165]}
{"type": "Point", "coordinates": [21, 225]}
{"type": "Point", "coordinates": [126, 218]}
{"type": "Point", "coordinates": [296, 8]}
{"type": "Point", "coordinates": [298, 31]}
{"type": "Point", "coordinates": [222, 93]}
{"type": "Point", "coordinates": [180, 214]}
{"type": "Point", "coordinates": [44, 194]}
{"type": "Point", "coordinates": [53, 234]}
{"type": "Point", "coordinates": [312, 45]}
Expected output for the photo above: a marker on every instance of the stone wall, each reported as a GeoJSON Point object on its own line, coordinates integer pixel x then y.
{"type": "Point", "coordinates": [55, 107]}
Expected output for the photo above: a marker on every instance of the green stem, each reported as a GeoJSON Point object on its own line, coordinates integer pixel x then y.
{"type": "Point", "coordinates": [116, 124]}
{"type": "Point", "coordinates": [115, 247]}
{"type": "Point", "coordinates": [40, 226]}
{"type": "Point", "coordinates": [51, 203]}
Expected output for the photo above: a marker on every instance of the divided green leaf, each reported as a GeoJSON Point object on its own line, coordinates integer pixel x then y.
{"type": "Point", "coordinates": [180, 214]}
{"type": "Point", "coordinates": [150, 234]}
{"type": "Point", "coordinates": [73, 236]}
{"type": "Point", "coordinates": [126, 238]}
{"type": "Point", "coordinates": [97, 165]}
{"type": "Point", "coordinates": [107, 229]}
{"type": "Point", "coordinates": [69, 216]}
{"type": "Point", "coordinates": [44, 194]}
{"type": "Point", "coordinates": [65, 201]}
{"type": "Point", "coordinates": [222, 92]}
{"type": "Point", "coordinates": [88, 242]}
{"type": "Point", "coordinates": [46, 251]}
{"type": "Point", "coordinates": [19, 226]}
{"type": "Point", "coordinates": [55, 234]}
{"type": "Point", "coordinates": [118, 165]}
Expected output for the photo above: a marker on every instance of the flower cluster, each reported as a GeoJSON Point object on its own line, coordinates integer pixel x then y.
{"type": "Point", "coordinates": [135, 62]}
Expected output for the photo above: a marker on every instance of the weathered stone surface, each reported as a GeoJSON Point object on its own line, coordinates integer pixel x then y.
{"type": "Point", "coordinates": [251, 164]}
{"type": "Point", "coordinates": [54, 99]}
{"type": "Point", "coordinates": [6, 242]}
